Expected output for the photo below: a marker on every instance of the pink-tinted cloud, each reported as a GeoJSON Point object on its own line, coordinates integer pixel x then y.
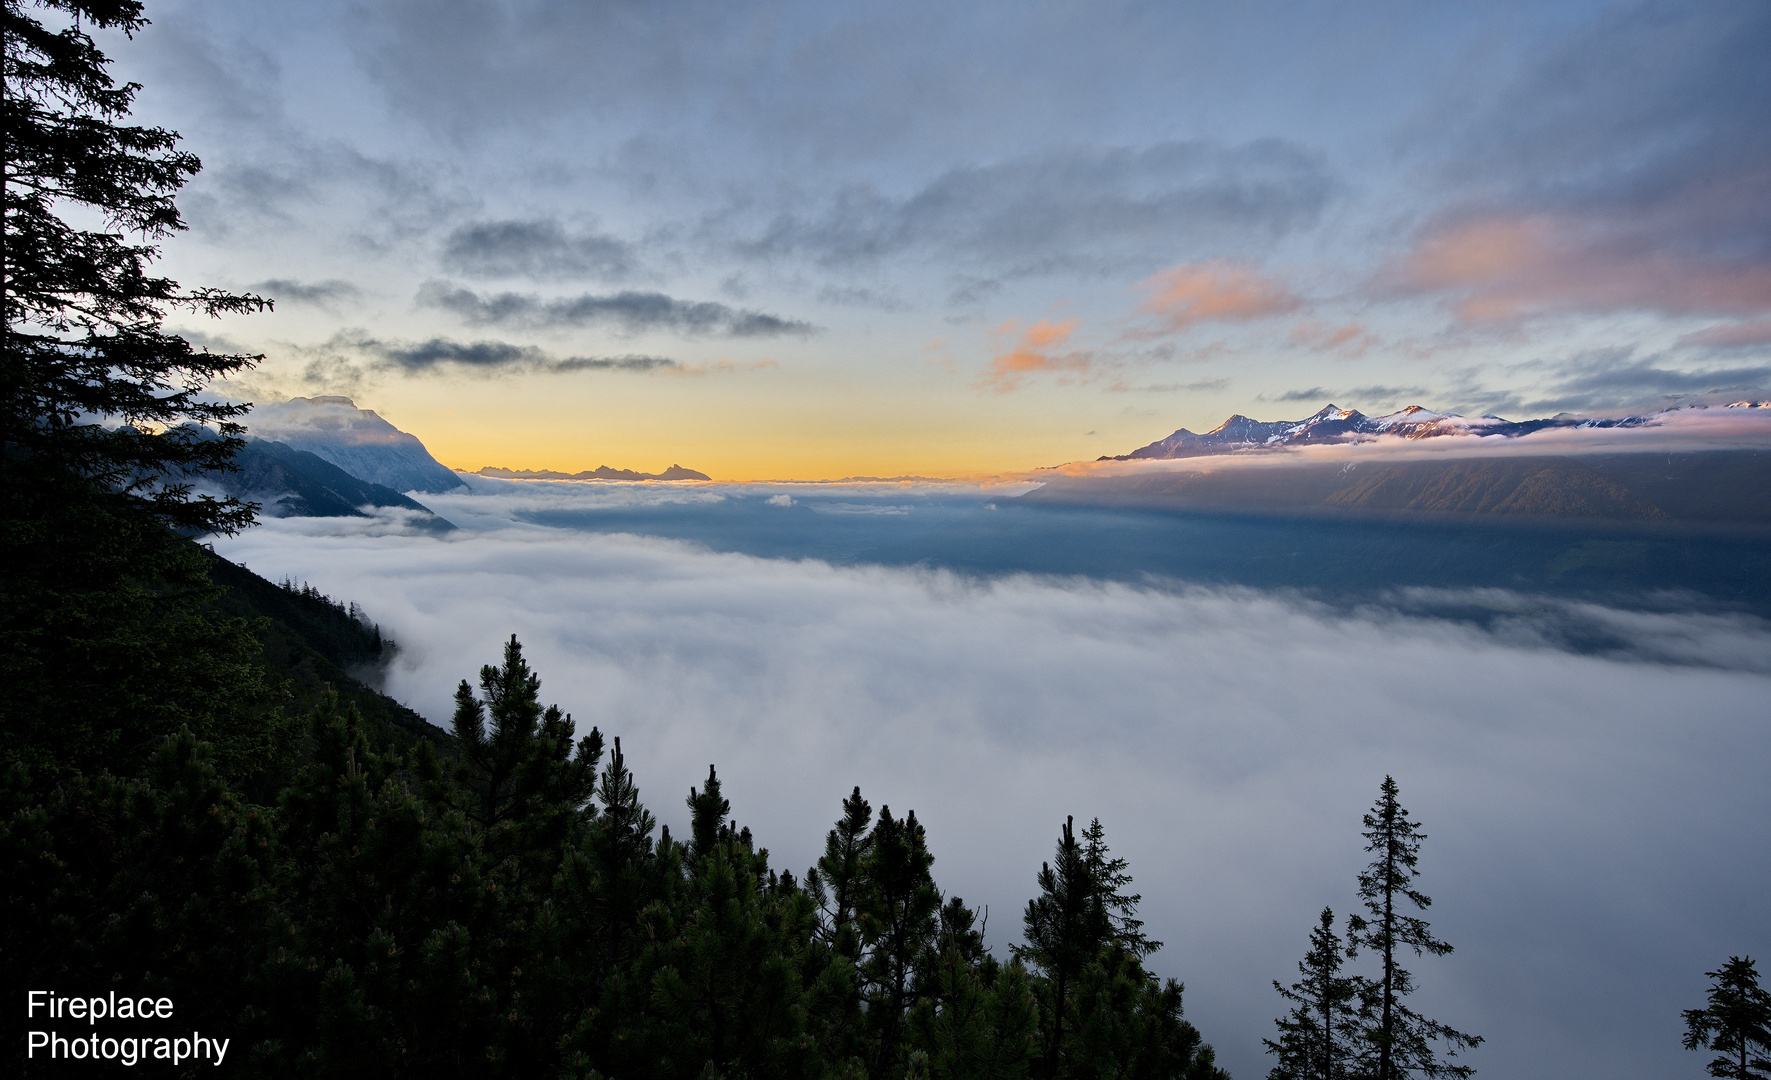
{"type": "Point", "coordinates": [1221, 291]}
{"type": "Point", "coordinates": [1507, 267]}
{"type": "Point", "coordinates": [1352, 338]}
{"type": "Point", "coordinates": [1732, 335]}
{"type": "Point", "coordinates": [1033, 349]}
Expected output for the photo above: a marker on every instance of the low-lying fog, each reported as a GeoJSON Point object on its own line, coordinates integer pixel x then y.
{"type": "Point", "coordinates": [1597, 820]}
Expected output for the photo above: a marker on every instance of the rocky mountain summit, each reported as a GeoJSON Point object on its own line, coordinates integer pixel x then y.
{"type": "Point", "coordinates": [356, 440]}
{"type": "Point", "coordinates": [1334, 424]}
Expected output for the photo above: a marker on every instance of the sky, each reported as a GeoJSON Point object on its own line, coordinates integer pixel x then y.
{"type": "Point", "coordinates": [1595, 819]}
{"type": "Point", "coordinates": [798, 240]}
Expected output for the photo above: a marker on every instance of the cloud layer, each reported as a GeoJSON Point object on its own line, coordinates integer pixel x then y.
{"type": "Point", "coordinates": [540, 248]}
{"type": "Point", "coordinates": [1586, 815]}
{"type": "Point", "coordinates": [630, 312]}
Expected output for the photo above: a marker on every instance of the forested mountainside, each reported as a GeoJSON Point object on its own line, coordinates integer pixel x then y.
{"type": "Point", "coordinates": [1726, 487]}
{"type": "Point", "coordinates": [287, 482]}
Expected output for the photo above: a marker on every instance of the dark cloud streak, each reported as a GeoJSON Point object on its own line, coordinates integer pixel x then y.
{"type": "Point", "coordinates": [539, 249]}
{"type": "Point", "coordinates": [630, 311]}
{"type": "Point", "coordinates": [321, 294]}
{"type": "Point", "coordinates": [349, 350]}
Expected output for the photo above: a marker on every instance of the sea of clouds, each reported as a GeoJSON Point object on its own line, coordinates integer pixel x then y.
{"type": "Point", "coordinates": [1597, 820]}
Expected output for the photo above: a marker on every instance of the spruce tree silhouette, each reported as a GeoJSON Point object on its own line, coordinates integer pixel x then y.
{"type": "Point", "coordinates": [1736, 1020]}
{"type": "Point", "coordinates": [1317, 1038]}
{"type": "Point", "coordinates": [1396, 1041]}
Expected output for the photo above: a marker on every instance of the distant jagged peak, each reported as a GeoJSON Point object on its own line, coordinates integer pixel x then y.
{"type": "Point", "coordinates": [1331, 423]}
{"type": "Point", "coordinates": [601, 472]}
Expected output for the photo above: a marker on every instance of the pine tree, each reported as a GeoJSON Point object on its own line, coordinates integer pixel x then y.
{"type": "Point", "coordinates": [896, 909]}
{"type": "Point", "coordinates": [1735, 1022]}
{"type": "Point", "coordinates": [527, 761]}
{"type": "Point", "coordinates": [106, 645]}
{"type": "Point", "coordinates": [835, 881]}
{"type": "Point", "coordinates": [1102, 1013]}
{"type": "Point", "coordinates": [1317, 1037]}
{"type": "Point", "coordinates": [1065, 927]}
{"type": "Point", "coordinates": [707, 816]}
{"type": "Point", "coordinates": [1396, 1041]}
{"type": "Point", "coordinates": [833, 886]}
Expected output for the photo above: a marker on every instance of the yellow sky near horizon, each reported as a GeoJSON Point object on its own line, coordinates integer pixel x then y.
{"type": "Point", "coordinates": [755, 425]}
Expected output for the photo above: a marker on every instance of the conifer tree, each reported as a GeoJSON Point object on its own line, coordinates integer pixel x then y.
{"type": "Point", "coordinates": [835, 881]}
{"type": "Point", "coordinates": [834, 885]}
{"type": "Point", "coordinates": [1065, 926]}
{"type": "Point", "coordinates": [897, 913]}
{"type": "Point", "coordinates": [1317, 1038]}
{"type": "Point", "coordinates": [1396, 1041]}
{"type": "Point", "coordinates": [94, 388]}
{"type": "Point", "coordinates": [527, 761]}
{"type": "Point", "coordinates": [106, 643]}
{"type": "Point", "coordinates": [1125, 929]}
{"type": "Point", "coordinates": [707, 816]}
{"type": "Point", "coordinates": [1736, 1023]}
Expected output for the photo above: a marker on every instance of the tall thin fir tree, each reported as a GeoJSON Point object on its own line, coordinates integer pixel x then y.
{"type": "Point", "coordinates": [1395, 1041]}
{"type": "Point", "coordinates": [1124, 928]}
{"type": "Point", "coordinates": [1317, 1038]}
{"type": "Point", "coordinates": [1736, 1023]}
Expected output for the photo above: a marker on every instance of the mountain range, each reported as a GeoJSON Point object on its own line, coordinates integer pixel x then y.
{"type": "Point", "coordinates": [1334, 424]}
{"type": "Point", "coordinates": [324, 457]}
{"type": "Point", "coordinates": [601, 472]}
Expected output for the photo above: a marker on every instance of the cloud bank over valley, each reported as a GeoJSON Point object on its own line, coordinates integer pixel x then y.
{"type": "Point", "coordinates": [1587, 809]}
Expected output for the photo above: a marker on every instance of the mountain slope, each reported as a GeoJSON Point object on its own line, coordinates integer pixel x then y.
{"type": "Point", "coordinates": [356, 440]}
{"type": "Point", "coordinates": [1713, 488]}
{"type": "Point", "coordinates": [294, 483]}
{"type": "Point", "coordinates": [1537, 487]}
{"type": "Point", "coordinates": [314, 645]}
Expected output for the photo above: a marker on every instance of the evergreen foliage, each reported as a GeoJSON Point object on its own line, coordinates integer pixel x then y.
{"type": "Point", "coordinates": [85, 343]}
{"type": "Point", "coordinates": [108, 638]}
{"type": "Point", "coordinates": [516, 911]}
{"type": "Point", "coordinates": [1395, 1040]}
{"type": "Point", "coordinates": [1736, 1023]}
{"type": "Point", "coordinates": [1318, 1039]}
{"type": "Point", "coordinates": [1101, 1013]}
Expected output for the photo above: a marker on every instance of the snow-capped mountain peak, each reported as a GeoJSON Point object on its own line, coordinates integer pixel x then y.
{"type": "Point", "coordinates": [1334, 424]}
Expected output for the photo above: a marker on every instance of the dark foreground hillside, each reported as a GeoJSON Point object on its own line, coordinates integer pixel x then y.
{"type": "Point", "coordinates": [315, 646]}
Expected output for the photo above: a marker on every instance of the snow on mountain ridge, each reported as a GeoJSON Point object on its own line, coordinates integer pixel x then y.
{"type": "Point", "coordinates": [1334, 424]}
{"type": "Point", "coordinates": [356, 440]}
